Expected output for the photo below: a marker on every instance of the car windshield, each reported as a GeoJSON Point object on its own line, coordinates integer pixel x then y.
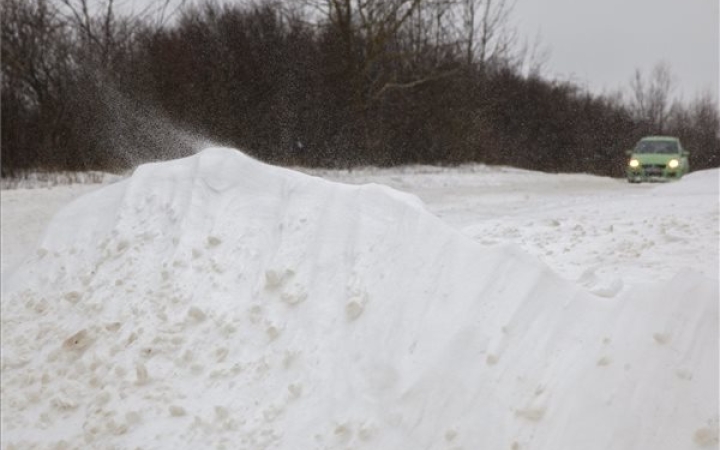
{"type": "Point", "coordinates": [667, 147]}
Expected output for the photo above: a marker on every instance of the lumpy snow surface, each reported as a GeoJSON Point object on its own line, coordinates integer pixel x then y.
{"type": "Point", "coordinates": [217, 302]}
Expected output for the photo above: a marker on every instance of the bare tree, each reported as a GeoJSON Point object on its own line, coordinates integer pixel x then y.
{"type": "Point", "coordinates": [371, 32]}
{"type": "Point", "coordinates": [324, 82]}
{"type": "Point", "coordinates": [531, 59]}
{"type": "Point", "coordinates": [36, 63]}
{"type": "Point", "coordinates": [704, 136]}
{"type": "Point", "coordinates": [651, 97]}
{"type": "Point", "coordinates": [486, 31]}
{"type": "Point", "coordinates": [33, 47]}
{"type": "Point", "coordinates": [105, 33]}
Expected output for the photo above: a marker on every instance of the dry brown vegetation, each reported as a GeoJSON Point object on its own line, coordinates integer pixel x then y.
{"type": "Point", "coordinates": [334, 83]}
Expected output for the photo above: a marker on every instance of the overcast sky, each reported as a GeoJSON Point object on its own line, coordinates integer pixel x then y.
{"type": "Point", "coordinates": [600, 43]}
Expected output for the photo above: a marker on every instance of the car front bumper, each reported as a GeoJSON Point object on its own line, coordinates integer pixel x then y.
{"type": "Point", "coordinates": [649, 173]}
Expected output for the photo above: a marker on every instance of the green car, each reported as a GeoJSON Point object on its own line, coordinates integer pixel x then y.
{"type": "Point", "coordinates": [657, 158]}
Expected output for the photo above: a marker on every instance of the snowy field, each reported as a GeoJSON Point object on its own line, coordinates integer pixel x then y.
{"type": "Point", "coordinates": [217, 302]}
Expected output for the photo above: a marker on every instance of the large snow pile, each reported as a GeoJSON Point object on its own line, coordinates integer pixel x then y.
{"type": "Point", "coordinates": [217, 302]}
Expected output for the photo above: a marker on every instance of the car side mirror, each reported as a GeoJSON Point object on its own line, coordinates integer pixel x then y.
{"type": "Point", "coordinates": [686, 153]}
{"type": "Point", "coordinates": [628, 152]}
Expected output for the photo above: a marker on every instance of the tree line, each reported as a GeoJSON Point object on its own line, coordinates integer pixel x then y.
{"type": "Point", "coordinates": [332, 83]}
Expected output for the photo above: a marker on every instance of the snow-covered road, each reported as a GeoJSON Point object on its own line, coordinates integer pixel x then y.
{"type": "Point", "coordinates": [575, 223]}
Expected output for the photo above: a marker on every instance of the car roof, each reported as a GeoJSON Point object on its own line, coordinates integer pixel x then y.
{"type": "Point", "coordinates": [659, 138]}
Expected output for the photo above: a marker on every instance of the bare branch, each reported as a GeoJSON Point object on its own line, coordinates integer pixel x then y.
{"type": "Point", "coordinates": [415, 83]}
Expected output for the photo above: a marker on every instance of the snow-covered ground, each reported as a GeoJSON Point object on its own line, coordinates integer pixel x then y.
{"type": "Point", "coordinates": [575, 223]}
{"type": "Point", "coordinates": [216, 302]}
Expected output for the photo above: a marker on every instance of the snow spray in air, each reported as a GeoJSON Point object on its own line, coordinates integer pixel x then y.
{"type": "Point", "coordinates": [127, 130]}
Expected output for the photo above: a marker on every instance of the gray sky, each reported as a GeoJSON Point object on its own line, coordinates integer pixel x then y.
{"type": "Point", "coordinates": [600, 43]}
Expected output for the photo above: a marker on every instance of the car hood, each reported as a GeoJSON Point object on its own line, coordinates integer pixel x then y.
{"type": "Point", "coordinates": [654, 158]}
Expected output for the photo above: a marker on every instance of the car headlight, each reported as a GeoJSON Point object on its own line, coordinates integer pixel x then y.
{"type": "Point", "coordinates": [634, 163]}
{"type": "Point", "coordinates": [673, 163]}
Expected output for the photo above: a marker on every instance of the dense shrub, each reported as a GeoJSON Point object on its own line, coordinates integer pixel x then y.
{"type": "Point", "coordinates": [108, 92]}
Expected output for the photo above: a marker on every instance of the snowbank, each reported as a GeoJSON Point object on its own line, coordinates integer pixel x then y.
{"type": "Point", "coordinates": [217, 302]}
{"type": "Point", "coordinates": [704, 182]}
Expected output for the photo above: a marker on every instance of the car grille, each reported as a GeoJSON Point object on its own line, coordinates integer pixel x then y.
{"type": "Point", "coordinates": [654, 169]}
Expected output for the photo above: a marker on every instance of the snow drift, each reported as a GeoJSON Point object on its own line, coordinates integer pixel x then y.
{"type": "Point", "coordinates": [217, 302]}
